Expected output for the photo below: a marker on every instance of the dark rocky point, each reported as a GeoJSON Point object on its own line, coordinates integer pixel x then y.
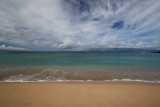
{"type": "Point", "coordinates": [157, 52]}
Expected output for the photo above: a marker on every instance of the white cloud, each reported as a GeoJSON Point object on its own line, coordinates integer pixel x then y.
{"type": "Point", "coordinates": [3, 47]}
{"type": "Point", "coordinates": [75, 25]}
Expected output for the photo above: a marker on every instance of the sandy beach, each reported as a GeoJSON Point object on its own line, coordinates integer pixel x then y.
{"type": "Point", "coordinates": [77, 94]}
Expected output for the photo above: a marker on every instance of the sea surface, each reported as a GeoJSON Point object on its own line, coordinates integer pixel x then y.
{"type": "Point", "coordinates": [80, 66]}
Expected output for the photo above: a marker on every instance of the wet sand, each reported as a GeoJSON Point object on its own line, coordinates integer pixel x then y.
{"type": "Point", "coordinates": [77, 94]}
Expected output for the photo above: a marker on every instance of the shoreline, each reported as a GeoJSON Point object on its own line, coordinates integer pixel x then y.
{"type": "Point", "coordinates": [79, 94]}
{"type": "Point", "coordinates": [85, 81]}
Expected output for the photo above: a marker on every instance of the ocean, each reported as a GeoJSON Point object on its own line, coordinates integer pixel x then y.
{"type": "Point", "coordinates": [79, 66]}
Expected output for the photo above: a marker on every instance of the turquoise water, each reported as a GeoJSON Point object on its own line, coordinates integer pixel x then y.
{"type": "Point", "coordinates": [83, 58]}
{"type": "Point", "coordinates": [52, 66]}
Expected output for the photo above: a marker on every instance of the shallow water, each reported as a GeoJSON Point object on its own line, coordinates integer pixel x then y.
{"type": "Point", "coordinates": [80, 66]}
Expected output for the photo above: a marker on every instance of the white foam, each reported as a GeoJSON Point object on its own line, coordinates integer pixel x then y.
{"type": "Point", "coordinates": [132, 80]}
{"type": "Point", "coordinates": [60, 80]}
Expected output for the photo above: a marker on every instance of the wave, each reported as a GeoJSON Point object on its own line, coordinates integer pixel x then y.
{"type": "Point", "coordinates": [77, 74]}
{"type": "Point", "coordinates": [114, 80]}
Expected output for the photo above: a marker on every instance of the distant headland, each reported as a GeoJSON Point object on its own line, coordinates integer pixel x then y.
{"type": "Point", "coordinates": [157, 52]}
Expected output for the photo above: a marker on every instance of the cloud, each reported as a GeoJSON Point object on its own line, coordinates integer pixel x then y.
{"type": "Point", "coordinates": [3, 47]}
{"type": "Point", "coordinates": [80, 24]}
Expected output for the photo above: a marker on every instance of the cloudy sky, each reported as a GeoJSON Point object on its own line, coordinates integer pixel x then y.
{"type": "Point", "coordinates": [79, 24]}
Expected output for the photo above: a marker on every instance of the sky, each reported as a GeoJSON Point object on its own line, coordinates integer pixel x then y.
{"type": "Point", "coordinates": [79, 25]}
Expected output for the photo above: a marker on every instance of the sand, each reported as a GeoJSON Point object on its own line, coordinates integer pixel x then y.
{"type": "Point", "coordinates": [79, 94]}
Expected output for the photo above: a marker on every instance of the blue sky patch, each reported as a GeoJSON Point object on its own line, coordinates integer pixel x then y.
{"type": "Point", "coordinates": [118, 25]}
